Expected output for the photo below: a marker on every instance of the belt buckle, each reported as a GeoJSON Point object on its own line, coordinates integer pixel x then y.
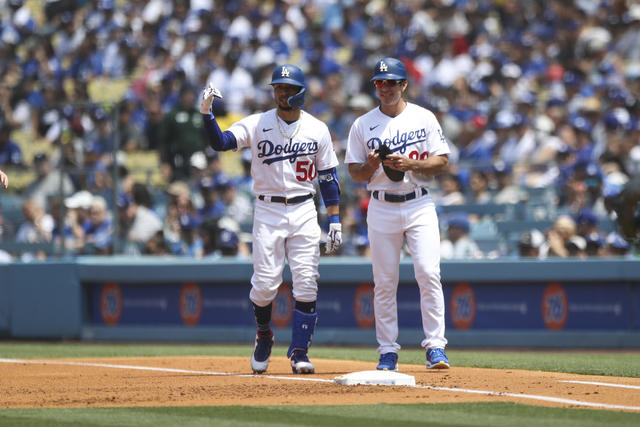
{"type": "Point", "coordinates": [286, 201]}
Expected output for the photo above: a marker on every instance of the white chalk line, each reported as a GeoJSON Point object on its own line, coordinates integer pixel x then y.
{"type": "Point", "coordinates": [322, 380]}
{"type": "Point", "coordinates": [635, 387]}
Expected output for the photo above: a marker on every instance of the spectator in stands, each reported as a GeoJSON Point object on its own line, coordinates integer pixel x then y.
{"type": "Point", "coordinates": [47, 182]}
{"type": "Point", "coordinates": [244, 182]}
{"type": "Point", "coordinates": [157, 245]}
{"type": "Point", "coordinates": [595, 245]}
{"type": "Point", "coordinates": [458, 244]}
{"type": "Point", "coordinates": [4, 179]}
{"type": "Point", "coordinates": [209, 232]}
{"type": "Point", "coordinates": [587, 223]}
{"type": "Point", "coordinates": [182, 133]}
{"type": "Point", "coordinates": [561, 240]}
{"type": "Point", "coordinates": [78, 206]}
{"type": "Point", "coordinates": [237, 205]}
{"type": "Point", "coordinates": [451, 189]}
{"type": "Point", "coordinates": [97, 177]}
{"type": "Point", "coordinates": [616, 245]}
{"type": "Point", "coordinates": [213, 206]}
{"type": "Point", "coordinates": [36, 228]}
{"type": "Point", "coordinates": [198, 163]}
{"type": "Point", "coordinates": [576, 84]}
{"type": "Point", "coordinates": [98, 229]}
{"type": "Point", "coordinates": [506, 192]}
{"type": "Point", "coordinates": [7, 227]}
{"type": "Point", "coordinates": [191, 244]}
{"type": "Point", "coordinates": [231, 246]}
{"type": "Point", "coordinates": [102, 136]}
{"type": "Point", "coordinates": [138, 224]}
{"type": "Point", "coordinates": [62, 233]}
{"type": "Point", "coordinates": [479, 187]}
{"type": "Point", "coordinates": [10, 152]}
{"type": "Point", "coordinates": [530, 243]}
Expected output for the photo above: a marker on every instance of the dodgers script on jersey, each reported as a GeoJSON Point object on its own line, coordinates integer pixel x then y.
{"type": "Point", "coordinates": [414, 133]}
{"type": "Point", "coordinates": [286, 157]}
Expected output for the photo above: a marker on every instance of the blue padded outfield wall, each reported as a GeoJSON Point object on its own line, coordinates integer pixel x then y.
{"type": "Point", "coordinates": [552, 303]}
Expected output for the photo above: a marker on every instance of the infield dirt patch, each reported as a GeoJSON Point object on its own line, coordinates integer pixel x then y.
{"type": "Point", "coordinates": [77, 383]}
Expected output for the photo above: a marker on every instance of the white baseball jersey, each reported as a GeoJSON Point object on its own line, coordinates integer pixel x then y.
{"type": "Point", "coordinates": [414, 133]}
{"type": "Point", "coordinates": [285, 157]}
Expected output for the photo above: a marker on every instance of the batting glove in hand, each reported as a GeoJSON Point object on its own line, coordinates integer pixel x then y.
{"type": "Point", "coordinates": [334, 238]}
{"type": "Point", "coordinates": [208, 94]}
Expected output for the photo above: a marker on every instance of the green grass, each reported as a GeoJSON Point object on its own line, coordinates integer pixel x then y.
{"type": "Point", "coordinates": [622, 364]}
{"type": "Point", "coordinates": [462, 414]}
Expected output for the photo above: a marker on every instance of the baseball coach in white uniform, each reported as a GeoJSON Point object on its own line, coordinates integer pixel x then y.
{"type": "Point", "coordinates": [397, 148]}
{"type": "Point", "coordinates": [289, 148]}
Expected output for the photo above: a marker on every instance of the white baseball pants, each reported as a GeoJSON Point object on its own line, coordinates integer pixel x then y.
{"type": "Point", "coordinates": [285, 232]}
{"type": "Point", "coordinates": [389, 224]}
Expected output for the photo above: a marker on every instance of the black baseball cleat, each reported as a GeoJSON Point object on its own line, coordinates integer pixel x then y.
{"type": "Point", "coordinates": [262, 351]}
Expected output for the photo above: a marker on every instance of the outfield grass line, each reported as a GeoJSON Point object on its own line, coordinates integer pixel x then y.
{"type": "Point", "coordinates": [323, 380]}
{"type": "Point", "coordinates": [635, 387]}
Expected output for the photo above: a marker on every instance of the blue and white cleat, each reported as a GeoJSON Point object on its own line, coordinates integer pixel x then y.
{"type": "Point", "coordinates": [437, 359]}
{"type": "Point", "coordinates": [262, 352]}
{"type": "Point", "coordinates": [388, 362]}
{"type": "Point", "coordinates": [300, 363]}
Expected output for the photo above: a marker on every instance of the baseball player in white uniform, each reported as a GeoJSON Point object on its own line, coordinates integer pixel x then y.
{"type": "Point", "coordinates": [397, 148]}
{"type": "Point", "coordinates": [289, 148]}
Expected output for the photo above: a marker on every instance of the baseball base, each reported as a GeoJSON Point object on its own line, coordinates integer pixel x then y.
{"type": "Point", "coordinates": [375, 378]}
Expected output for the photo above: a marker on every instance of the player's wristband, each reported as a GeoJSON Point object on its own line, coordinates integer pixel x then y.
{"type": "Point", "coordinates": [333, 219]}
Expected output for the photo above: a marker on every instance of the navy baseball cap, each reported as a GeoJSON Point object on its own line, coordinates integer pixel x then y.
{"type": "Point", "coordinates": [228, 239]}
{"type": "Point", "coordinates": [389, 69]}
{"type": "Point", "coordinates": [586, 216]}
{"type": "Point", "coordinates": [460, 221]}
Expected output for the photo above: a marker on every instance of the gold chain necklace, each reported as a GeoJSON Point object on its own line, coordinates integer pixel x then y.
{"type": "Point", "coordinates": [295, 132]}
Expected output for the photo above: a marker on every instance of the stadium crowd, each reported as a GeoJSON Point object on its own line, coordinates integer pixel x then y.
{"type": "Point", "coordinates": [539, 101]}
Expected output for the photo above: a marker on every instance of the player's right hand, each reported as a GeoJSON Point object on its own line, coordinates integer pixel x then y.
{"type": "Point", "coordinates": [334, 238]}
{"type": "Point", "coordinates": [208, 94]}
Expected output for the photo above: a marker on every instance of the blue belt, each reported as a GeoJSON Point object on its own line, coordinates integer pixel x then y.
{"type": "Point", "coordinates": [398, 198]}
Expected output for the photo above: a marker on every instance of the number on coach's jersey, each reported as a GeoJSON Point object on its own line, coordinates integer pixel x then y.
{"type": "Point", "coordinates": [305, 170]}
{"type": "Point", "coordinates": [415, 155]}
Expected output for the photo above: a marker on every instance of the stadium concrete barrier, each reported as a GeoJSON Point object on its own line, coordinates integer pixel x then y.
{"type": "Point", "coordinates": [497, 303]}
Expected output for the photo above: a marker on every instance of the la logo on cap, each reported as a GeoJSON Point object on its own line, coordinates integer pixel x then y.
{"type": "Point", "coordinates": [285, 72]}
{"type": "Point", "coordinates": [383, 66]}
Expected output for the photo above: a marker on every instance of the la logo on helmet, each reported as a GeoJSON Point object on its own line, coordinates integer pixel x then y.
{"type": "Point", "coordinates": [285, 72]}
{"type": "Point", "coordinates": [383, 67]}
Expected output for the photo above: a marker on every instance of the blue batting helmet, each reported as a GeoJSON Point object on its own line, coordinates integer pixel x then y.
{"type": "Point", "coordinates": [390, 69]}
{"type": "Point", "coordinates": [292, 75]}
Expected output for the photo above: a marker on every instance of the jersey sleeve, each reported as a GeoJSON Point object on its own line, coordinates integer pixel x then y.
{"type": "Point", "coordinates": [436, 142]}
{"type": "Point", "coordinates": [356, 150]}
{"type": "Point", "coordinates": [244, 130]}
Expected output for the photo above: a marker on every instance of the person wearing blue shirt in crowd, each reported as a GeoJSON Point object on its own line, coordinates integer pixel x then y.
{"type": "Point", "coordinates": [98, 228]}
{"type": "Point", "coordinates": [10, 152]}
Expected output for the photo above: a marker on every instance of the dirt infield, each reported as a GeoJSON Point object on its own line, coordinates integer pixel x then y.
{"type": "Point", "coordinates": [207, 381]}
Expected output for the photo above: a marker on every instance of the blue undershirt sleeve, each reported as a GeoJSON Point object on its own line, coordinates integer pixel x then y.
{"type": "Point", "coordinates": [329, 186]}
{"type": "Point", "coordinates": [219, 141]}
